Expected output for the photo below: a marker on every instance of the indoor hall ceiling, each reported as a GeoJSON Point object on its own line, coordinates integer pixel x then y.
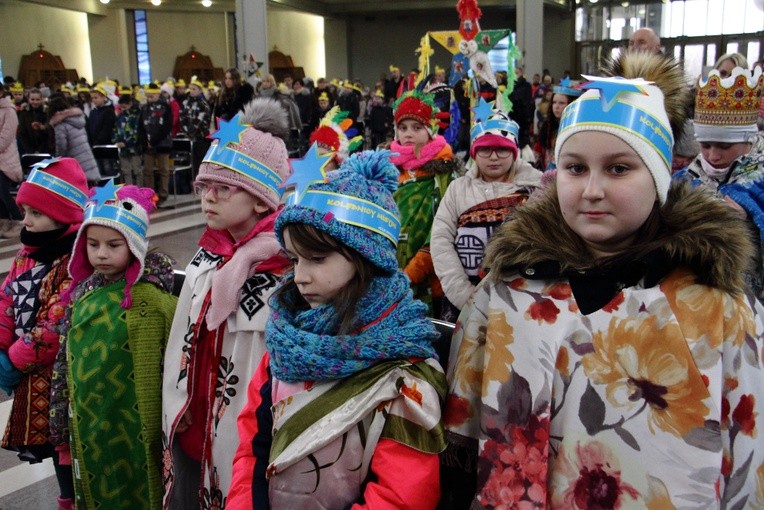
{"type": "Point", "coordinates": [331, 8]}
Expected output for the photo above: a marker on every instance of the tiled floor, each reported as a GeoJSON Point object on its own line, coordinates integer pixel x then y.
{"type": "Point", "coordinates": [33, 487]}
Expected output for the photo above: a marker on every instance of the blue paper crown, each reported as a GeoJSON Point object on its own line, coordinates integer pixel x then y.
{"type": "Point", "coordinates": [565, 88]}
{"type": "Point", "coordinates": [344, 208]}
{"type": "Point", "coordinates": [610, 110]}
{"type": "Point", "coordinates": [222, 155]}
{"type": "Point", "coordinates": [100, 207]}
{"type": "Point", "coordinates": [55, 185]}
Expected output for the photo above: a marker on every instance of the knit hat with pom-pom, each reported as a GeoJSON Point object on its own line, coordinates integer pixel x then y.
{"type": "Point", "coordinates": [250, 152]}
{"type": "Point", "coordinates": [125, 209]}
{"type": "Point", "coordinates": [354, 204]}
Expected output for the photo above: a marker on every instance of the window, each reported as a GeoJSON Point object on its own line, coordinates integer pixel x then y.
{"type": "Point", "coordinates": [142, 47]}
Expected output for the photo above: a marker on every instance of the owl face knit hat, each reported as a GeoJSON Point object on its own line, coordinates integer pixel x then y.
{"type": "Point", "coordinates": [250, 152]}
{"type": "Point", "coordinates": [125, 209]}
{"type": "Point", "coordinates": [498, 130]}
{"type": "Point", "coordinates": [634, 111]}
{"type": "Point", "coordinates": [353, 204]}
{"type": "Point", "coordinates": [57, 188]}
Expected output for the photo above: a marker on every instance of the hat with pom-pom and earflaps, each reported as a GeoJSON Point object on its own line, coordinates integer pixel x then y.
{"type": "Point", "coordinates": [336, 133]}
{"type": "Point", "coordinates": [497, 130]}
{"type": "Point", "coordinates": [726, 109]}
{"type": "Point", "coordinates": [126, 209]}
{"type": "Point", "coordinates": [354, 204]}
{"type": "Point", "coordinates": [250, 153]}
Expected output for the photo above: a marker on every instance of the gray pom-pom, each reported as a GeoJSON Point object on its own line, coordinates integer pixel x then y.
{"type": "Point", "coordinates": [266, 115]}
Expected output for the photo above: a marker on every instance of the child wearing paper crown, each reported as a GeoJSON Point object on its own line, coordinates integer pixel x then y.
{"type": "Point", "coordinates": [426, 166]}
{"type": "Point", "coordinates": [350, 382]}
{"type": "Point", "coordinates": [217, 338]}
{"type": "Point", "coordinates": [611, 358]}
{"type": "Point", "coordinates": [731, 158]}
{"type": "Point", "coordinates": [110, 367]}
{"type": "Point", "coordinates": [335, 134]}
{"type": "Point", "coordinates": [32, 309]}
{"type": "Point", "coordinates": [475, 204]}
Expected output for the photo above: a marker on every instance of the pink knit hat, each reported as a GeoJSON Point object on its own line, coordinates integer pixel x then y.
{"type": "Point", "coordinates": [125, 209]}
{"type": "Point", "coordinates": [250, 152]}
{"type": "Point", "coordinates": [57, 188]}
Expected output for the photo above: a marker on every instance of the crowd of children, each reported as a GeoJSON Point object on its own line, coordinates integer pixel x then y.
{"type": "Point", "coordinates": [607, 348]}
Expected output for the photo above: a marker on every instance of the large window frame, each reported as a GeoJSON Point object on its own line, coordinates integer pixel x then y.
{"type": "Point", "coordinates": [142, 54]}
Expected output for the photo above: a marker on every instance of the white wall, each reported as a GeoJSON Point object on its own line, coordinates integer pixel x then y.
{"type": "Point", "coordinates": [299, 35]}
{"type": "Point", "coordinates": [111, 46]}
{"type": "Point", "coordinates": [62, 32]}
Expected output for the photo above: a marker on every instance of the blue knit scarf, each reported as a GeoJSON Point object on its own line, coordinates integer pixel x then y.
{"type": "Point", "coordinates": [304, 346]}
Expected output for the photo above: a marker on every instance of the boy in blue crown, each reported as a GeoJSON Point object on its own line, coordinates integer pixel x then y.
{"type": "Point", "coordinates": [217, 338]}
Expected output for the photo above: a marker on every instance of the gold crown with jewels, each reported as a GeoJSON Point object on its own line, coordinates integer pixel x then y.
{"type": "Point", "coordinates": [731, 101]}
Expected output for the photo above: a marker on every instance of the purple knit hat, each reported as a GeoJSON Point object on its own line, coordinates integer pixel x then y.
{"type": "Point", "coordinates": [125, 209]}
{"type": "Point", "coordinates": [250, 152]}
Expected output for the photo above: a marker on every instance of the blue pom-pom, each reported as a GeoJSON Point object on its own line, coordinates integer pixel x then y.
{"type": "Point", "coordinates": [375, 166]}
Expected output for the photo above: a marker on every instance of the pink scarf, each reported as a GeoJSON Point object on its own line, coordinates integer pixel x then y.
{"type": "Point", "coordinates": [250, 254]}
{"type": "Point", "coordinates": [408, 159]}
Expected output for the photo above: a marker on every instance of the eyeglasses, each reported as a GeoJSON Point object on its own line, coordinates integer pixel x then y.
{"type": "Point", "coordinates": [501, 152]}
{"type": "Point", "coordinates": [221, 191]}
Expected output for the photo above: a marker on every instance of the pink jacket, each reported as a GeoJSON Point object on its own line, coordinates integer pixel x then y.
{"type": "Point", "coordinates": [10, 163]}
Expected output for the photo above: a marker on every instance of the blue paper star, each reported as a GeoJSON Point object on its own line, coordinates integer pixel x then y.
{"type": "Point", "coordinates": [105, 193]}
{"type": "Point", "coordinates": [229, 131]}
{"type": "Point", "coordinates": [45, 163]}
{"type": "Point", "coordinates": [306, 171]}
{"type": "Point", "coordinates": [482, 111]}
{"type": "Point", "coordinates": [610, 88]}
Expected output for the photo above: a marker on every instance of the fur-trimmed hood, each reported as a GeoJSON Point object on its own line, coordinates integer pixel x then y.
{"type": "Point", "coordinates": [698, 231]}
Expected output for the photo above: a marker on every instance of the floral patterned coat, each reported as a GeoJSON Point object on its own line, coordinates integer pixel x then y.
{"type": "Point", "coordinates": [639, 385]}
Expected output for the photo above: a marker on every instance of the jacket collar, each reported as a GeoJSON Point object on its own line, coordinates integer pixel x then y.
{"type": "Point", "coordinates": [697, 231]}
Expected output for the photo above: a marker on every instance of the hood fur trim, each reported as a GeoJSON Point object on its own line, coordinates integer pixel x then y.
{"type": "Point", "coordinates": [697, 230]}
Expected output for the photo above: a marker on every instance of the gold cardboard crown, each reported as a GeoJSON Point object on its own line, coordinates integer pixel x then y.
{"type": "Point", "coordinates": [731, 101]}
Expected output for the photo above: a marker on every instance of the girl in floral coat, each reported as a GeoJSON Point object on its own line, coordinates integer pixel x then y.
{"type": "Point", "coordinates": [612, 359]}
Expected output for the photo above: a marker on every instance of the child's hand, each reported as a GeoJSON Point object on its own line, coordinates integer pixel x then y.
{"type": "Point", "coordinates": [120, 145]}
{"type": "Point", "coordinates": [185, 422]}
{"type": "Point", "coordinates": [9, 375]}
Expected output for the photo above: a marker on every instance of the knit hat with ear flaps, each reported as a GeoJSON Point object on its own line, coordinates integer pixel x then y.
{"type": "Point", "coordinates": [353, 204]}
{"type": "Point", "coordinates": [250, 152]}
{"type": "Point", "coordinates": [57, 188]}
{"type": "Point", "coordinates": [634, 110]}
{"type": "Point", "coordinates": [125, 209]}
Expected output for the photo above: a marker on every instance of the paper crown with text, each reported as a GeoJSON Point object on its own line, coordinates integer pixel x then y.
{"type": "Point", "coordinates": [353, 204]}
{"type": "Point", "coordinates": [726, 109]}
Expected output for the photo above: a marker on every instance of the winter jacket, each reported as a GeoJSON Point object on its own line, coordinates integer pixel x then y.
{"type": "Point", "coordinates": [228, 106]}
{"type": "Point", "coordinates": [744, 184]}
{"type": "Point", "coordinates": [155, 127]}
{"type": "Point", "coordinates": [636, 384]}
{"type": "Point", "coordinates": [195, 117]}
{"type": "Point", "coordinates": [101, 124]}
{"type": "Point", "coordinates": [33, 140]}
{"type": "Point", "coordinates": [126, 131]}
{"type": "Point", "coordinates": [31, 322]}
{"type": "Point", "coordinates": [10, 163]}
{"type": "Point", "coordinates": [224, 358]}
{"type": "Point", "coordinates": [457, 245]}
{"type": "Point", "coordinates": [72, 140]}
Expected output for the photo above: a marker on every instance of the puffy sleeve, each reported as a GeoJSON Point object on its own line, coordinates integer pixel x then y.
{"type": "Point", "coordinates": [402, 478]}
{"type": "Point", "coordinates": [448, 266]}
{"type": "Point", "coordinates": [249, 486]}
{"type": "Point", "coordinates": [38, 347]}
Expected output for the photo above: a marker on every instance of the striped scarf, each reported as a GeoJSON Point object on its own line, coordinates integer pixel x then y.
{"type": "Point", "coordinates": [303, 346]}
